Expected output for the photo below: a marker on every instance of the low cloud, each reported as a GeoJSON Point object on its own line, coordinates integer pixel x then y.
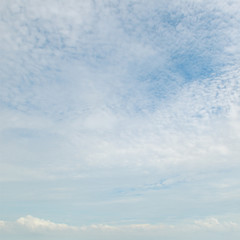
{"type": "Point", "coordinates": [214, 224]}
{"type": "Point", "coordinates": [37, 224]}
{"type": "Point", "coordinates": [34, 224]}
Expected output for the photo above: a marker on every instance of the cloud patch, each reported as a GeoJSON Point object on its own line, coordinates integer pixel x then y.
{"type": "Point", "coordinates": [37, 224]}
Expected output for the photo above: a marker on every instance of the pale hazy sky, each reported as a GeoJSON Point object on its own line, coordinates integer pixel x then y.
{"type": "Point", "coordinates": [119, 119]}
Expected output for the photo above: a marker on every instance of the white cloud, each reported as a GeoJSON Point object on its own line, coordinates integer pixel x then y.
{"type": "Point", "coordinates": [37, 224]}
{"type": "Point", "coordinates": [213, 224]}
{"type": "Point", "coordinates": [33, 224]}
{"type": "Point", "coordinates": [191, 131]}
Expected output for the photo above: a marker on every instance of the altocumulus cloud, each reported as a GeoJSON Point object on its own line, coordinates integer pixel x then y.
{"type": "Point", "coordinates": [120, 112]}
{"type": "Point", "coordinates": [111, 84]}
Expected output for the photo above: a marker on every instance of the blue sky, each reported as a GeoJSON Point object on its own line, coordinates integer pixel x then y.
{"type": "Point", "coordinates": [119, 119]}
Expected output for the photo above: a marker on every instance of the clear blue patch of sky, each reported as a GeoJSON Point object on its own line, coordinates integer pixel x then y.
{"type": "Point", "coordinates": [191, 66]}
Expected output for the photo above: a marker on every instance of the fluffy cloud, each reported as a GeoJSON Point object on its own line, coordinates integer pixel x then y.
{"type": "Point", "coordinates": [36, 224]}
{"type": "Point", "coordinates": [33, 224]}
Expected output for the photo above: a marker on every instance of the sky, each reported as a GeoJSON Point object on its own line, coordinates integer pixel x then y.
{"type": "Point", "coordinates": [119, 119]}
